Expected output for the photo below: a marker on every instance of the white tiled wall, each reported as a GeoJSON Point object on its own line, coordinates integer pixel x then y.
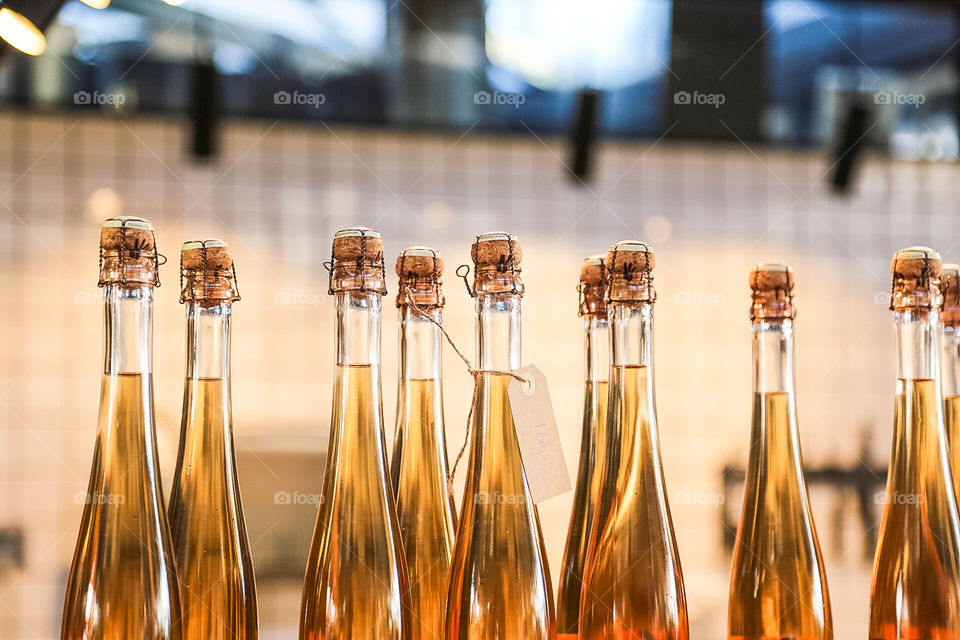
{"type": "Point", "coordinates": [278, 192]}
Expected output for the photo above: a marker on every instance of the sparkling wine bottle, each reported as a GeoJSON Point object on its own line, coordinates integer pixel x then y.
{"type": "Point", "coordinates": [915, 593]}
{"type": "Point", "coordinates": [419, 465]}
{"type": "Point", "coordinates": [356, 581]}
{"type": "Point", "coordinates": [950, 366]}
{"type": "Point", "coordinates": [778, 588]}
{"type": "Point", "coordinates": [593, 309]}
{"type": "Point", "coordinates": [122, 582]}
{"type": "Point", "coordinates": [499, 581]}
{"type": "Point", "coordinates": [210, 545]}
{"type": "Point", "coordinates": [633, 586]}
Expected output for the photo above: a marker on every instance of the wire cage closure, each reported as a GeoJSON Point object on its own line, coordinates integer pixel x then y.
{"type": "Point", "coordinates": [211, 280]}
{"type": "Point", "coordinates": [133, 240]}
{"type": "Point", "coordinates": [592, 288]}
{"type": "Point", "coordinates": [492, 263]}
{"type": "Point", "coordinates": [629, 267]}
{"type": "Point", "coordinates": [916, 279]}
{"type": "Point", "coordinates": [771, 292]}
{"type": "Point", "coordinates": [415, 281]}
{"type": "Point", "coordinates": [370, 254]}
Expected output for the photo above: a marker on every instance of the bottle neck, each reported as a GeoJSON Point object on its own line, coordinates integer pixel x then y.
{"type": "Point", "coordinates": [128, 314]}
{"type": "Point", "coordinates": [597, 348]}
{"type": "Point", "coordinates": [208, 340]}
{"type": "Point", "coordinates": [631, 333]}
{"type": "Point", "coordinates": [358, 327]}
{"type": "Point", "coordinates": [498, 331]}
{"type": "Point", "coordinates": [918, 344]}
{"type": "Point", "coordinates": [419, 345]}
{"type": "Point", "coordinates": [950, 361]}
{"type": "Point", "coordinates": [772, 356]}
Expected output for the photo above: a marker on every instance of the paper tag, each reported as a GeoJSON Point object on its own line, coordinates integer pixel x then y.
{"type": "Point", "coordinates": [537, 433]}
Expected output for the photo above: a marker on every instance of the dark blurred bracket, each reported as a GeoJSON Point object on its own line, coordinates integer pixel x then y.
{"type": "Point", "coordinates": [11, 549]}
{"type": "Point", "coordinates": [583, 136]}
{"type": "Point", "coordinates": [860, 481]}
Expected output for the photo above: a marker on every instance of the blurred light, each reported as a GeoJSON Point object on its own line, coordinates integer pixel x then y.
{"type": "Point", "coordinates": [658, 229]}
{"type": "Point", "coordinates": [571, 44]}
{"type": "Point", "coordinates": [20, 33]}
{"type": "Point", "coordinates": [96, 4]}
{"type": "Point", "coordinates": [93, 29]}
{"type": "Point", "coordinates": [234, 59]}
{"type": "Point", "coordinates": [437, 215]}
{"type": "Point", "coordinates": [174, 3]}
{"type": "Point", "coordinates": [104, 203]}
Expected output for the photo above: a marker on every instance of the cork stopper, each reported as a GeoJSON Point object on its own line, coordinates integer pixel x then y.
{"type": "Point", "coordinates": [419, 270]}
{"type": "Point", "coordinates": [135, 234]}
{"type": "Point", "coordinates": [207, 272]}
{"type": "Point", "coordinates": [771, 286]}
{"type": "Point", "coordinates": [630, 264]}
{"type": "Point", "coordinates": [357, 243]}
{"type": "Point", "coordinates": [916, 279]}
{"type": "Point", "coordinates": [356, 261]}
{"type": "Point", "coordinates": [950, 291]}
{"type": "Point", "coordinates": [496, 257]}
{"type": "Point", "coordinates": [593, 287]}
{"type": "Point", "coordinates": [128, 252]}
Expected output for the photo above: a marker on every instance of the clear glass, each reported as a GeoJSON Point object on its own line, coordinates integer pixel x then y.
{"type": "Point", "coordinates": [915, 593]}
{"type": "Point", "coordinates": [500, 585]}
{"type": "Point", "coordinates": [356, 581]}
{"type": "Point", "coordinates": [212, 552]}
{"type": "Point", "coordinates": [419, 472]}
{"type": "Point", "coordinates": [950, 385]}
{"type": "Point", "coordinates": [122, 582]}
{"type": "Point", "coordinates": [597, 346]}
{"type": "Point", "coordinates": [778, 587]}
{"type": "Point", "coordinates": [633, 585]}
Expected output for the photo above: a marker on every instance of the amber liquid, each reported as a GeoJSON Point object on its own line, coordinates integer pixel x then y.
{"type": "Point", "coordinates": [916, 575]}
{"type": "Point", "coordinates": [424, 506]}
{"type": "Point", "coordinates": [951, 419]}
{"type": "Point", "coordinates": [210, 544]}
{"type": "Point", "coordinates": [633, 585]}
{"type": "Point", "coordinates": [356, 582]}
{"type": "Point", "coordinates": [499, 582]}
{"type": "Point", "coordinates": [778, 589]}
{"type": "Point", "coordinates": [584, 506]}
{"type": "Point", "coordinates": [122, 582]}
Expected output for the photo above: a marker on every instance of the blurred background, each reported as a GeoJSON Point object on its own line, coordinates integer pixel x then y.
{"type": "Point", "coordinates": [724, 132]}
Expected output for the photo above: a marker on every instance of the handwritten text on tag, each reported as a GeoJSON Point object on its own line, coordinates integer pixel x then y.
{"type": "Point", "coordinates": [537, 433]}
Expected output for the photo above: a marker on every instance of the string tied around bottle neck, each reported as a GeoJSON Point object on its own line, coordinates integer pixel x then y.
{"type": "Point", "coordinates": [474, 373]}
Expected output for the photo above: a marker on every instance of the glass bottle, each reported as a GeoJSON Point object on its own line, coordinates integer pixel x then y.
{"type": "Point", "coordinates": [499, 582]}
{"type": "Point", "coordinates": [633, 585]}
{"type": "Point", "coordinates": [950, 366]}
{"type": "Point", "coordinates": [356, 579]}
{"type": "Point", "coordinates": [778, 587]}
{"type": "Point", "coordinates": [593, 309]}
{"type": "Point", "coordinates": [210, 545]}
{"type": "Point", "coordinates": [419, 464]}
{"type": "Point", "coordinates": [915, 593]}
{"type": "Point", "coordinates": [122, 582]}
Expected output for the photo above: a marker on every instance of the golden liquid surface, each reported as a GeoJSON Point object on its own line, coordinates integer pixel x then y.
{"type": "Point", "coordinates": [210, 544]}
{"type": "Point", "coordinates": [633, 585]}
{"type": "Point", "coordinates": [915, 593]}
{"type": "Point", "coordinates": [122, 583]}
{"type": "Point", "coordinates": [584, 506]}
{"type": "Point", "coordinates": [356, 583]}
{"type": "Point", "coordinates": [424, 506]}
{"type": "Point", "coordinates": [499, 582]}
{"type": "Point", "coordinates": [778, 588]}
